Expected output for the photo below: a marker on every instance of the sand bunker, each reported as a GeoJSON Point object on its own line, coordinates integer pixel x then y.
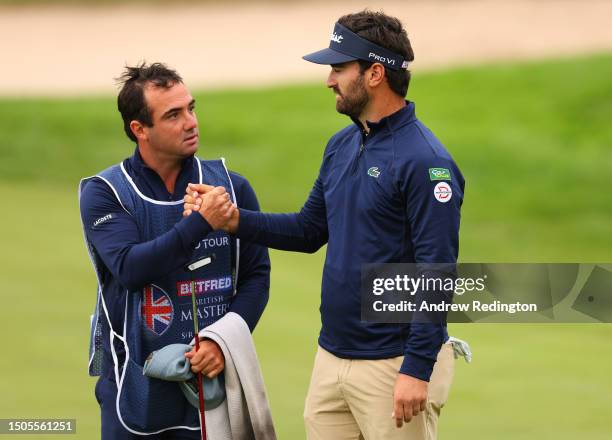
{"type": "Point", "coordinates": [67, 51]}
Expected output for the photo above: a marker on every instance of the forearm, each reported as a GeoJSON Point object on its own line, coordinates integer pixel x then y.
{"type": "Point", "coordinates": [138, 264]}
{"type": "Point", "coordinates": [289, 232]}
{"type": "Point", "coordinates": [117, 239]}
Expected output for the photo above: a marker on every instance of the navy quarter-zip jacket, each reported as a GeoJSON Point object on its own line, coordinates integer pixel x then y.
{"type": "Point", "coordinates": [373, 202]}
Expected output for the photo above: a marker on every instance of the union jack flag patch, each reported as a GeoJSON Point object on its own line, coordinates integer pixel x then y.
{"type": "Point", "coordinates": [156, 310]}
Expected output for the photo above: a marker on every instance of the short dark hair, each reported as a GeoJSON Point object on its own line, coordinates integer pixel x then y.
{"type": "Point", "coordinates": [131, 100]}
{"type": "Point", "coordinates": [387, 32]}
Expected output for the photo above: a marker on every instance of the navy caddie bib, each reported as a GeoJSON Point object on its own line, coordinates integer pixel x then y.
{"type": "Point", "coordinates": [161, 313]}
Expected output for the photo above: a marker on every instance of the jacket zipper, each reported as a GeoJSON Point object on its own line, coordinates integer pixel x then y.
{"type": "Point", "coordinates": [356, 161]}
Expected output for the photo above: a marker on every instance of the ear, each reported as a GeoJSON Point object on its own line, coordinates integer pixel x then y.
{"type": "Point", "coordinates": [375, 75]}
{"type": "Point", "coordinates": [139, 130]}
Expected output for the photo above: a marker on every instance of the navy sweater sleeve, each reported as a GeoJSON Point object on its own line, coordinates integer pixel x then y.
{"type": "Point", "coordinates": [116, 240]}
{"type": "Point", "coordinates": [254, 264]}
{"type": "Point", "coordinates": [305, 231]}
{"type": "Point", "coordinates": [434, 232]}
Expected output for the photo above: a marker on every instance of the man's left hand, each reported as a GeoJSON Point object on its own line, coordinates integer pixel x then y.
{"type": "Point", "coordinates": [409, 398]}
{"type": "Point", "coordinates": [208, 360]}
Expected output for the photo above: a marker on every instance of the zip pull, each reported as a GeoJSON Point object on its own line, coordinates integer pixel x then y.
{"type": "Point", "coordinates": [356, 161]}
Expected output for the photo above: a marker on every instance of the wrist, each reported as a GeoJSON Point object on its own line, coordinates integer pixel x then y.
{"type": "Point", "coordinates": [234, 222]}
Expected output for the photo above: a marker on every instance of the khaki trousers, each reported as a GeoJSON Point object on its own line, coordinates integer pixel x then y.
{"type": "Point", "coordinates": [353, 399]}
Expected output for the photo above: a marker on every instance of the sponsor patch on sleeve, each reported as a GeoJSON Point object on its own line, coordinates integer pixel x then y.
{"type": "Point", "coordinates": [101, 220]}
{"type": "Point", "coordinates": [439, 174]}
{"type": "Point", "coordinates": [443, 192]}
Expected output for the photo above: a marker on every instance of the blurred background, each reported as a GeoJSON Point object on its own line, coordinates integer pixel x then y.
{"type": "Point", "coordinates": [519, 92]}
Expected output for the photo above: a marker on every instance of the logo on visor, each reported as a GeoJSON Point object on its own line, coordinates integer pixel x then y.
{"type": "Point", "coordinates": [381, 59]}
{"type": "Point", "coordinates": [336, 38]}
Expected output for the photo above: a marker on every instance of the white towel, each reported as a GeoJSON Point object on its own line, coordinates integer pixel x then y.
{"type": "Point", "coordinates": [245, 414]}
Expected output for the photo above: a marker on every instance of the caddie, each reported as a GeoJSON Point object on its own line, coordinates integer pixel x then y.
{"type": "Point", "coordinates": [387, 192]}
{"type": "Point", "coordinates": [140, 245]}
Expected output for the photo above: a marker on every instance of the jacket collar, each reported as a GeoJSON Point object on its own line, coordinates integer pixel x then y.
{"type": "Point", "coordinates": [390, 122]}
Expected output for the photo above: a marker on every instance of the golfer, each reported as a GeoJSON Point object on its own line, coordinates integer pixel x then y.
{"type": "Point", "coordinates": [387, 192]}
{"type": "Point", "coordinates": [140, 245]}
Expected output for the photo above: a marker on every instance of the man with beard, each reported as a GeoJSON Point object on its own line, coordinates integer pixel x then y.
{"type": "Point", "coordinates": [387, 192]}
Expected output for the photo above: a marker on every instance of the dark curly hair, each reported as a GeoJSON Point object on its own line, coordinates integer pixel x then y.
{"type": "Point", "coordinates": [131, 100]}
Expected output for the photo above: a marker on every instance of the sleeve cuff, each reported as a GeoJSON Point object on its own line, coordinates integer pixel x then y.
{"type": "Point", "coordinates": [247, 225]}
{"type": "Point", "coordinates": [192, 229]}
{"type": "Point", "coordinates": [417, 366]}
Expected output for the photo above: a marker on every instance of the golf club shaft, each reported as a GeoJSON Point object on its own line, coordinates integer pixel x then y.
{"type": "Point", "coordinates": [197, 347]}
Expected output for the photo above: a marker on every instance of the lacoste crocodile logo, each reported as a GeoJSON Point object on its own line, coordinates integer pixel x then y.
{"type": "Point", "coordinates": [373, 172]}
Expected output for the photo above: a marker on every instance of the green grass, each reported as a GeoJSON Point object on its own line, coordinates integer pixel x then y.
{"type": "Point", "coordinates": [533, 141]}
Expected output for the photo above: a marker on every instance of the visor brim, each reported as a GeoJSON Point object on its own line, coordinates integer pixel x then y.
{"type": "Point", "coordinates": [328, 56]}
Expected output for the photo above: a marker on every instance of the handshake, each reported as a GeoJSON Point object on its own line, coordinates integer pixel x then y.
{"type": "Point", "coordinates": [214, 204]}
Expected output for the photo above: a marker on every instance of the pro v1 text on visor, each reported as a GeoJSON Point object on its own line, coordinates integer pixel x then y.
{"type": "Point", "coordinates": [345, 46]}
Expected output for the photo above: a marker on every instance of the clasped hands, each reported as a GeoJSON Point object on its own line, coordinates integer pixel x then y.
{"type": "Point", "coordinates": [214, 204]}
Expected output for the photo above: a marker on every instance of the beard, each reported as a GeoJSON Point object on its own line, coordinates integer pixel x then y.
{"type": "Point", "coordinates": [354, 99]}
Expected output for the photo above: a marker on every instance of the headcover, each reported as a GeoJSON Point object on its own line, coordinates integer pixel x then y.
{"type": "Point", "coordinates": [345, 46]}
{"type": "Point", "coordinates": [169, 363]}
